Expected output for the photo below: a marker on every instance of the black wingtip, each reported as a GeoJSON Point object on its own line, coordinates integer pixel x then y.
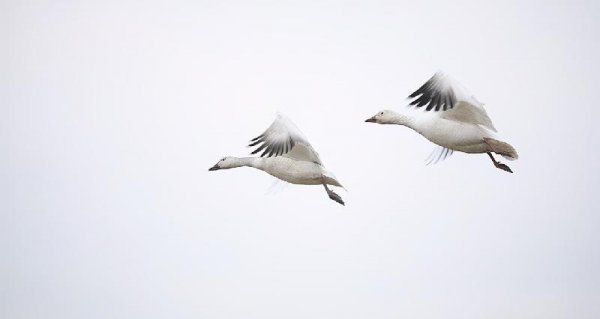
{"type": "Point", "coordinates": [257, 138]}
{"type": "Point", "coordinates": [259, 149]}
{"type": "Point", "coordinates": [432, 96]}
{"type": "Point", "coordinates": [254, 143]}
{"type": "Point", "coordinates": [267, 151]}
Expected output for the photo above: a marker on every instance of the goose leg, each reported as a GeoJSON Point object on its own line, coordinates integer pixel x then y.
{"type": "Point", "coordinates": [499, 165]}
{"type": "Point", "coordinates": [333, 195]}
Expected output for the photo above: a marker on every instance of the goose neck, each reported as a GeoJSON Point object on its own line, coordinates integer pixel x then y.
{"type": "Point", "coordinates": [403, 119]}
{"type": "Point", "coordinates": [255, 162]}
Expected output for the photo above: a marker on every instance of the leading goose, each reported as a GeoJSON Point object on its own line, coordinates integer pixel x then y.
{"type": "Point", "coordinates": [287, 155]}
{"type": "Point", "coordinates": [454, 120]}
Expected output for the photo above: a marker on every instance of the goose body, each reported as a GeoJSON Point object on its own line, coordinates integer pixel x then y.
{"type": "Point", "coordinates": [453, 119]}
{"type": "Point", "coordinates": [457, 136]}
{"type": "Point", "coordinates": [286, 155]}
{"type": "Point", "coordinates": [297, 172]}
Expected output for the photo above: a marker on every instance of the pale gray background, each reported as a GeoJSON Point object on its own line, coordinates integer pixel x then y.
{"type": "Point", "coordinates": [112, 112]}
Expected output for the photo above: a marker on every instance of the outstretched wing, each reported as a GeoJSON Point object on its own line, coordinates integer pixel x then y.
{"type": "Point", "coordinates": [442, 93]}
{"type": "Point", "coordinates": [283, 138]}
{"type": "Point", "coordinates": [437, 93]}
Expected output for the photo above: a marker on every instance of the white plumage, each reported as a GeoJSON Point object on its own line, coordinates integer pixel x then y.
{"type": "Point", "coordinates": [453, 119]}
{"type": "Point", "coordinates": [286, 154]}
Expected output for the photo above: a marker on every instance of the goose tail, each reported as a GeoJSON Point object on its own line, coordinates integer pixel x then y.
{"type": "Point", "coordinates": [503, 149]}
{"type": "Point", "coordinates": [509, 152]}
{"type": "Point", "coordinates": [330, 179]}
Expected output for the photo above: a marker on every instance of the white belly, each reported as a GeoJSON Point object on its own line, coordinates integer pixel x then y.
{"type": "Point", "coordinates": [457, 136]}
{"type": "Point", "coordinates": [292, 171]}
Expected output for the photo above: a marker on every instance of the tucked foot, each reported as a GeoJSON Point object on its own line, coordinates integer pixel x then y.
{"type": "Point", "coordinates": [333, 195]}
{"type": "Point", "coordinates": [503, 167]}
{"type": "Point", "coordinates": [336, 197]}
{"type": "Point", "coordinates": [499, 165]}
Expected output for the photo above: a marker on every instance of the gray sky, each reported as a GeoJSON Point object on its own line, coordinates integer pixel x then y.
{"type": "Point", "coordinates": [112, 112]}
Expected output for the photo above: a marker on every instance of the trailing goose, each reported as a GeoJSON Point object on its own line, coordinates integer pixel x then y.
{"type": "Point", "coordinates": [453, 119]}
{"type": "Point", "coordinates": [287, 155]}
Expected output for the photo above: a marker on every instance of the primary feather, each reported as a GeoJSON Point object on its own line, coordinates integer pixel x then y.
{"type": "Point", "coordinates": [284, 138]}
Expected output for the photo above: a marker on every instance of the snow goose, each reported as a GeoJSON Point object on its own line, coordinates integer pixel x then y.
{"type": "Point", "coordinates": [453, 119]}
{"type": "Point", "coordinates": [287, 155]}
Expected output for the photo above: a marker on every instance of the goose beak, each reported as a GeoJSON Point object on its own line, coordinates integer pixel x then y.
{"type": "Point", "coordinates": [371, 120]}
{"type": "Point", "coordinates": [214, 168]}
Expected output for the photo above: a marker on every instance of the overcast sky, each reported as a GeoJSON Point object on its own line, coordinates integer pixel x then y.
{"type": "Point", "coordinates": [112, 112]}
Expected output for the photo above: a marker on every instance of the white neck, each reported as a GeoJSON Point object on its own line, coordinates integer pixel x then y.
{"type": "Point", "coordinates": [402, 119]}
{"type": "Point", "coordinates": [255, 162]}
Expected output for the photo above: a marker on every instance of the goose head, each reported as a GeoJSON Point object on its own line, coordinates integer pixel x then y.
{"type": "Point", "coordinates": [225, 163]}
{"type": "Point", "coordinates": [383, 117]}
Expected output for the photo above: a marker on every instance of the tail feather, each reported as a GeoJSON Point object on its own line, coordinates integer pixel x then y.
{"type": "Point", "coordinates": [503, 149]}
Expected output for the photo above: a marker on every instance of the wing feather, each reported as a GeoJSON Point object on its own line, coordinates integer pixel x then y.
{"type": "Point", "coordinates": [442, 93]}
{"type": "Point", "coordinates": [438, 154]}
{"type": "Point", "coordinates": [283, 138]}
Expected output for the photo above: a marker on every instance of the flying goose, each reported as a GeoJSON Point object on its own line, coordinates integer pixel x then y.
{"type": "Point", "coordinates": [453, 119]}
{"type": "Point", "coordinates": [287, 155]}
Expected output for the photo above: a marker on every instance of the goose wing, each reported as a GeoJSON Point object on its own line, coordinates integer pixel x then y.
{"type": "Point", "coordinates": [438, 154]}
{"type": "Point", "coordinates": [442, 93]}
{"type": "Point", "coordinates": [283, 138]}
